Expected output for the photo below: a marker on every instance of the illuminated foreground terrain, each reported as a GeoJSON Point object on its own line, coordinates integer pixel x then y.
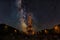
{"type": "Point", "coordinates": [10, 33]}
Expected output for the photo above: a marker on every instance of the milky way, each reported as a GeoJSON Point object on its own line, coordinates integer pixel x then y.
{"type": "Point", "coordinates": [46, 13]}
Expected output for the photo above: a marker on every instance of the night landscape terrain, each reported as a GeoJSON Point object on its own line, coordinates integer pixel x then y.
{"type": "Point", "coordinates": [29, 19]}
{"type": "Point", "coordinates": [9, 33]}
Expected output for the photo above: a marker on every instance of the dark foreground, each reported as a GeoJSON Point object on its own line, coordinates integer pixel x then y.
{"type": "Point", "coordinates": [9, 33]}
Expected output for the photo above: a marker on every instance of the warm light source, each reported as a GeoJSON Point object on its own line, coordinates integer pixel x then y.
{"type": "Point", "coordinates": [57, 29]}
{"type": "Point", "coordinates": [33, 32]}
{"type": "Point", "coordinates": [46, 31]}
{"type": "Point", "coordinates": [15, 30]}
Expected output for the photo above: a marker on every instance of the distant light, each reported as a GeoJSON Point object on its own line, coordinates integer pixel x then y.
{"type": "Point", "coordinates": [46, 31]}
{"type": "Point", "coordinates": [33, 32]}
{"type": "Point", "coordinates": [56, 28]}
{"type": "Point", "coordinates": [15, 30]}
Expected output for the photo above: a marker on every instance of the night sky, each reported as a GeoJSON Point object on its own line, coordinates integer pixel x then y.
{"type": "Point", "coordinates": [46, 12]}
